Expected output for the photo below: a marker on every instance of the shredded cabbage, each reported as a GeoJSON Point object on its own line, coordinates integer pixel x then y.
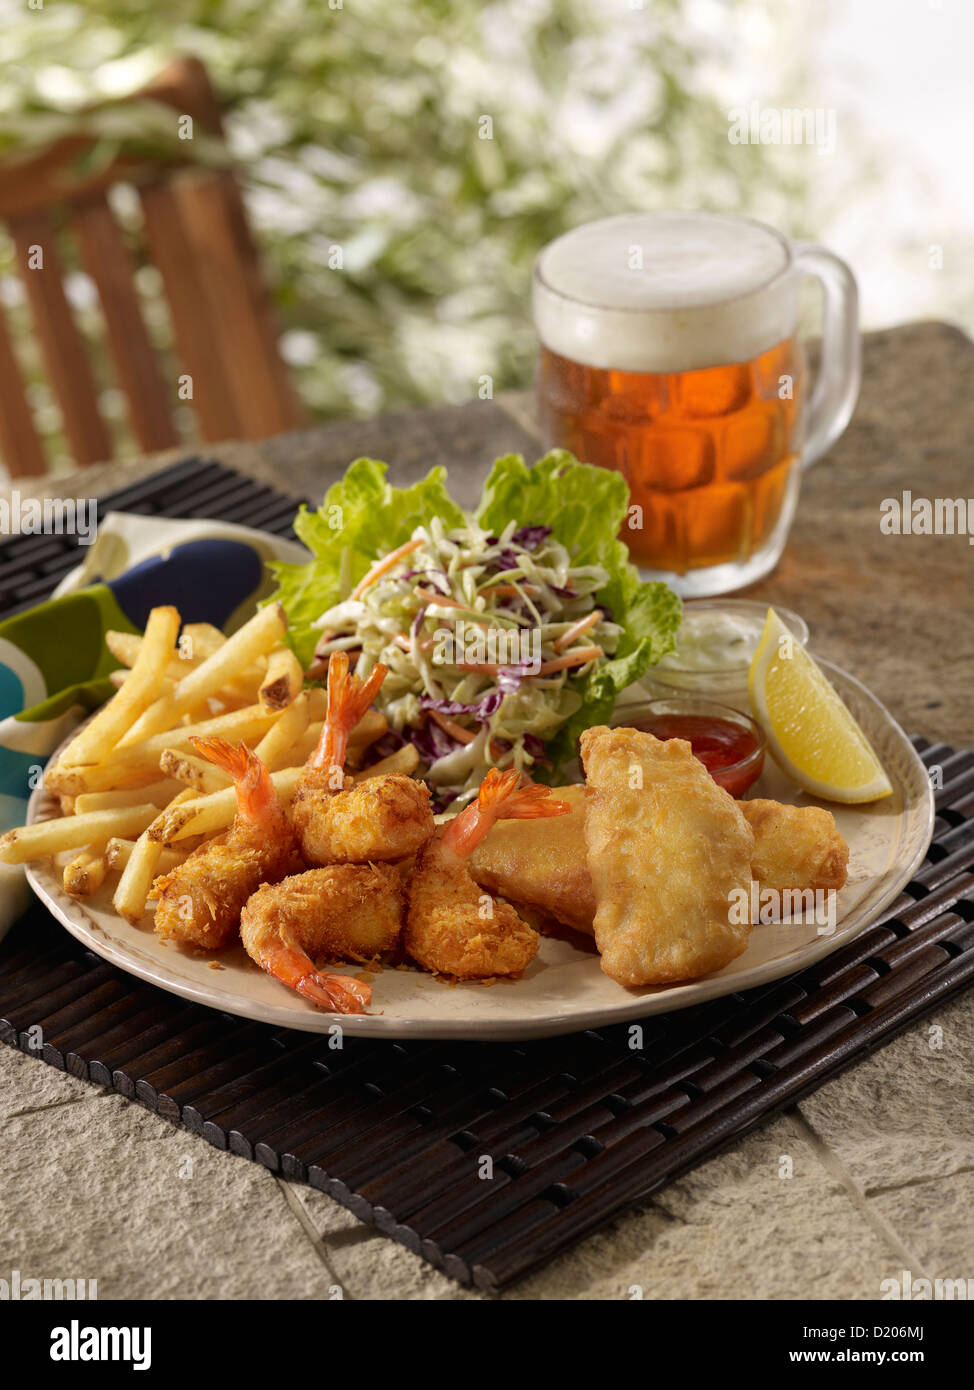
{"type": "Point", "coordinates": [482, 635]}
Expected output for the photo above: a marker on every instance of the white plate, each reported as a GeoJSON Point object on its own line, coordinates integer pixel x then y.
{"type": "Point", "coordinates": [563, 990]}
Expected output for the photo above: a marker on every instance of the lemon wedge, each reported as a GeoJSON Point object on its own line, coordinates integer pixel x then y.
{"type": "Point", "coordinates": [811, 734]}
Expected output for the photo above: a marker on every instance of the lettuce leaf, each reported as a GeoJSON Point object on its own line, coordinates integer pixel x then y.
{"type": "Point", "coordinates": [362, 517]}
{"type": "Point", "coordinates": [586, 508]}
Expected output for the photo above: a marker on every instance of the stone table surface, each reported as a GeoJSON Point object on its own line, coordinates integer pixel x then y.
{"type": "Point", "coordinates": [92, 1186]}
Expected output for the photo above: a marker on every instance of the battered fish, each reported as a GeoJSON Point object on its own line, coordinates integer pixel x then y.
{"type": "Point", "coordinates": [668, 850]}
{"type": "Point", "coordinates": [541, 863]}
{"type": "Point", "coordinates": [795, 846]}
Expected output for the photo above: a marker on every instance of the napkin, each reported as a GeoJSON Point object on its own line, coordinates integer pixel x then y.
{"type": "Point", "coordinates": [54, 664]}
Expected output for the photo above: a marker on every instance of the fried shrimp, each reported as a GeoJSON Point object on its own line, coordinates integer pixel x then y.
{"type": "Point", "coordinates": [199, 903]}
{"type": "Point", "coordinates": [344, 911]}
{"type": "Point", "coordinates": [452, 925]}
{"type": "Point", "coordinates": [378, 819]}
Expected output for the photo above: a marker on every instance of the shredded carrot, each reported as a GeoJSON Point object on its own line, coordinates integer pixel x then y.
{"type": "Point", "coordinates": [576, 629]}
{"type": "Point", "coordinates": [486, 668]}
{"type": "Point", "coordinates": [404, 644]}
{"type": "Point", "coordinates": [386, 563]}
{"type": "Point", "coordinates": [558, 663]}
{"type": "Point", "coordinates": [431, 596]}
{"type": "Point", "coordinates": [448, 726]}
{"type": "Point", "coordinates": [445, 602]}
{"type": "Point", "coordinates": [510, 590]}
{"type": "Point", "coordinates": [461, 734]}
{"type": "Point", "coordinates": [562, 663]}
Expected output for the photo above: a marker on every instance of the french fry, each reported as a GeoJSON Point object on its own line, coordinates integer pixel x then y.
{"type": "Point", "coordinates": [284, 679]}
{"type": "Point", "coordinates": [125, 647]}
{"type": "Point", "coordinates": [317, 704]}
{"type": "Point", "coordinates": [85, 873]}
{"type": "Point", "coordinates": [403, 761]}
{"type": "Point", "coordinates": [113, 721]}
{"type": "Point", "coordinates": [198, 714]}
{"type": "Point", "coordinates": [29, 842]}
{"type": "Point", "coordinates": [159, 792]}
{"type": "Point", "coordinates": [196, 772]}
{"type": "Point", "coordinates": [203, 639]}
{"type": "Point", "coordinates": [208, 815]}
{"type": "Point", "coordinates": [274, 749]}
{"type": "Point", "coordinates": [136, 880]}
{"type": "Point", "coordinates": [78, 780]}
{"type": "Point", "coordinates": [166, 682]}
{"type": "Point", "coordinates": [141, 869]}
{"type": "Point", "coordinates": [254, 639]}
{"type": "Point", "coordinates": [200, 640]}
{"type": "Point", "coordinates": [138, 763]}
{"type": "Point", "coordinates": [118, 852]}
{"type": "Point", "coordinates": [234, 695]}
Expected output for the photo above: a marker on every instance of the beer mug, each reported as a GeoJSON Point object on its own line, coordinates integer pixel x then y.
{"type": "Point", "coordinates": [669, 351]}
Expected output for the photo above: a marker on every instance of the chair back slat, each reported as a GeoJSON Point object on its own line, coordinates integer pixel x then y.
{"type": "Point", "coordinates": [196, 234]}
{"type": "Point", "coordinates": [61, 342]}
{"type": "Point", "coordinates": [291, 411]}
{"type": "Point", "coordinates": [18, 438]}
{"type": "Point", "coordinates": [229, 295]}
{"type": "Point", "coordinates": [197, 346]}
{"type": "Point", "coordinates": [107, 261]}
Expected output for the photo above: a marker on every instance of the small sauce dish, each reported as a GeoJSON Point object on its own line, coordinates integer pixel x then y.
{"type": "Point", "coordinates": [729, 743]}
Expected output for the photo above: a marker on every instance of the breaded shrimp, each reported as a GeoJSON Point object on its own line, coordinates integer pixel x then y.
{"type": "Point", "coordinates": [380, 819]}
{"type": "Point", "coordinates": [345, 911]}
{"type": "Point", "coordinates": [453, 926]}
{"type": "Point", "coordinates": [200, 901]}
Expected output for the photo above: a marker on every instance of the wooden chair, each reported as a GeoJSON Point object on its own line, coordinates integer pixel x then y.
{"type": "Point", "coordinates": [196, 234]}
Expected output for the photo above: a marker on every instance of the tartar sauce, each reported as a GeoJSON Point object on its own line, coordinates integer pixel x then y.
{"type": "Point", "coordinates": [713, 640]}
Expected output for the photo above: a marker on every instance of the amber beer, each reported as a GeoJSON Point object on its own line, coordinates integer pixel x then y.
{"type": "Point", "coordinates": [669, 352]}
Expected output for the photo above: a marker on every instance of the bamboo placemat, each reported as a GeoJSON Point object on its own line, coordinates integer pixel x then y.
{"type": "Point", "coordinates": [577, 1127]}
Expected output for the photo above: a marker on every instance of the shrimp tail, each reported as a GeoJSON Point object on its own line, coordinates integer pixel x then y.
{"type": "Point", "coordinates": [255, 789]}
{"type": "Point", "coordinates": [348, 699]}
{"type": "Point", "coordinates": [500, 798]}
{"type": "Point", "coordinates": [339, 993]}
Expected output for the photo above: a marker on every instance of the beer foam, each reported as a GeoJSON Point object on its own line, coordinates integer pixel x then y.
{"type": "Point", "coordinates": [665, 292]}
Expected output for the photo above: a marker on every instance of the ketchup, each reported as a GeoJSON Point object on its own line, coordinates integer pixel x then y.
{"type": "Point", "coordinates": [724, 747]}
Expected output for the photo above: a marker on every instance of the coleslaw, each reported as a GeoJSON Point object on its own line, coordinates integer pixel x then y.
{"type": "Point", "coordinates": [505, 632]}
{"type": "Point", "coordinates": [482, 635]}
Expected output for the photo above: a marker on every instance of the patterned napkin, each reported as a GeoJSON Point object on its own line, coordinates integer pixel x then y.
{"type": "Point", "coordinates": [54, 664]}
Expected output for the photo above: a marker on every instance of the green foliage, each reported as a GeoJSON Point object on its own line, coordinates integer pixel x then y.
{"type": "Point", "coordinates": [438, 144]}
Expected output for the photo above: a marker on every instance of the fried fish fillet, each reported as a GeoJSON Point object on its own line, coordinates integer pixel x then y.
{"type": "Point", "coordinates": [795, 846]}
{"type": "Point", "coordinates": [541, 863]}
{"type": "Point", "coordinates": [669, 853]}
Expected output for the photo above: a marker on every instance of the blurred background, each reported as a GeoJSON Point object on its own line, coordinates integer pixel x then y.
{"type": "Point", "coordinates": [402, 163]}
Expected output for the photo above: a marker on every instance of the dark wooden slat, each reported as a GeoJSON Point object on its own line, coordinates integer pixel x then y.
{"type": "Point", "coordinates": [108, 263]}
{"type": "Point", "coordinates": [19, 442]}
{"type": "Point", "coordinates": [64, 350]}
{"type": "Point", "coordinates": [228, 291]}
{"type": "Point", "coordinates": [197, 344]}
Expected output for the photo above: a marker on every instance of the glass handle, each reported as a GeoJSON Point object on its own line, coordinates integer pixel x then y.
{"type": "Point", "coordinates": [840, 368]}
